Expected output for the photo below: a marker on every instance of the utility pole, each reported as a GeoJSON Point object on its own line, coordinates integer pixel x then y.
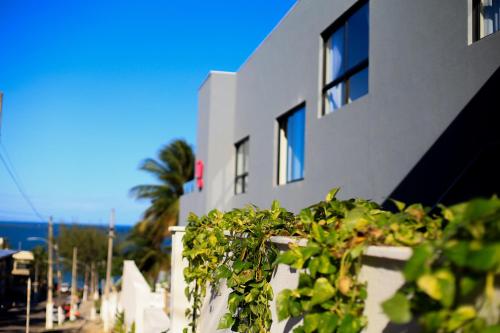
{"type": "Point", "coordinates": [72, 308]}
{"type": "Point", "coordinates": [107, 286]}
{"type": "Point", "coordinates": [50, 304]}
{"type": "Point", "coordinates": [60, 315]}
{"type": "Point", "coordinates": [94, 293]}
{"type": "Point", "coordinates": [28, 301]}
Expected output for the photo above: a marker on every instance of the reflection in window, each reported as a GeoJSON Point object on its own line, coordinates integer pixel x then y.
{"type": "Point", "coordinates": [291, 146]}
{"type": "Point", "coordinates": [486, 18]}
{"type": "Point", "coordinates": [241, 176]}
{"type": "Point", "coordinates": [346, 60]}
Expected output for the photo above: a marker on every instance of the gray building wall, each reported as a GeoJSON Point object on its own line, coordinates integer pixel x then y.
{"type": "Point", "coordinates": [423, 71]}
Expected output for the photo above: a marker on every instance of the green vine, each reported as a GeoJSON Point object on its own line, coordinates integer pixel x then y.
{"type": "Point", "coordinates": [249, 266]}
{"type": "Point", "coordinates": [330, 296]}
{"type": "Point", "coordinates": [205, 246]}
{"type": "Point", "coordinates": [456, 259]}
{"type": "Point", "coordinates": [450, 282]}
{"type": "Point", "coordinates": [244, 257]}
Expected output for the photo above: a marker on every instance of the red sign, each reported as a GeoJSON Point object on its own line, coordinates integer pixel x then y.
{"type": "Point", "coordinates": [198, 174]}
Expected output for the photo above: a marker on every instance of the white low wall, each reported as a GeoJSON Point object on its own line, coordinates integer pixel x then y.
{"type": "Point", "coordinates": [139, 304]}
{"type": "Point", "coordinates": [381, 268]}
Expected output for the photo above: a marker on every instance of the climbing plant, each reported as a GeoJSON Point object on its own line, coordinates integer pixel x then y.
{"type": "Point", "coordinates": [456, 259]}
{"type": "Point", "coordinates": [450, 282]}
{"type": "Point", "coordinates": [249, 265]}
{"type": "Point", "coordinates": [243, 256]}
{"type": "Point", "coordinates": [205, 246]}
{"type": "Point", "coordinates": [329, 295]}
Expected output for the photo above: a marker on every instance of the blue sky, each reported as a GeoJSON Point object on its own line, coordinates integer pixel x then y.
{"type": "Point", "coordinates": [93, 87]}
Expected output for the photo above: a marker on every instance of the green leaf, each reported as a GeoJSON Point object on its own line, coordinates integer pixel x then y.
{"type": "Point", "coordinates": [331, 195]}
{"type": "Point", "coordinates": [460, 316]}
{"type": "Point", "coordinates": [313, 266]}
{"type": "Point", "coordinates": [327, 322]}
{"type": "Point", "coordinates": [311, 322]}
{"type": "Point", "coordinates": [233, 301]}
{"type": "Point", "coordinates": [325, 266]}
{"type": "Point", "coordinates": [418, 263]}
{"type": "Point", "coordinates": [486, 258]}
{"type": "Point", "coordinates": [457, 252]}
{"type": "Point", "coordinates": [430, 285]}
{"type": "Point", "coordinates": [318, 233]}
{"type": "Point", "coordinates": [305, 280]}
{"type": "Point", "coordinates": [282, 304]}
{"type": "Point", "coordinates": [350, 325]}
{"type": "Point", "coordinates": [397, 308]}
{"type": "Point", "coordinates": [446, 281]}
{"type": "Point", "coordinates": [245, 276]}
{"type": "Point", "coordinates": [492, 329]}
{"type": "Point", "coordinates": [309, 250]}
{"type": "Point", "coordinates": [439, 286]}
{"type": "Point", "coordinates": [222, 272]}
{"type": "Point", "coordinates": [322, 291]}
{"type": "Point", "coordinates": [225, 322]}
{"type": "Point", "coordinates": [287, 258]}
{"type": "Point", "coordinates": [275, 205]}
{"type": "Point", "coordinates": [294, 307]}
{"type": "Point", "coordinates": [400, 205]}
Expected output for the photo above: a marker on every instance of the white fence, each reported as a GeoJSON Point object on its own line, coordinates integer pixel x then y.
{"type": "Point", "coordinates": [382, 267]}
{"type": "Point", "coordinates": [140, 305]}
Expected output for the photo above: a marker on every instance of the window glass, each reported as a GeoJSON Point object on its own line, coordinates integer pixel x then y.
{"type": "Point", "coordinates": [335, 55]}
{"type": "Point", "coordinates": [241, 176]}
{"type": "Point", "coordinates": [346, 57]}
{"type": "Point", "coordinates": [490, 10]}
{"type": "Point", "coordinates": [358, 85]}
{"type": "Point", "coordinates": [335, 97]}
{"type": "Point", "coordinates": [295, 126]}
{"type": "Point", "coordinates": [357, 32]}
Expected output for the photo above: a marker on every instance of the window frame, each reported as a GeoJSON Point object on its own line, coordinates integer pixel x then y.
{"type": "Point", "coordinates": [345, 77]}
{"type": "Point", "coordinates": [282, 126]}
{"type": "Point", "coordinates": [244, 175]}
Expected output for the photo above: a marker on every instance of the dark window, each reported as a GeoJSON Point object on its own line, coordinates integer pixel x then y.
{"type": "Point", "coordinates": [241, 178]}
{"type": "Point", "coordinates": [291, 145]}
{"type": "Point", "coordinates": [485, 18]}
{"type": "Point", "coordinates": [346, 58]}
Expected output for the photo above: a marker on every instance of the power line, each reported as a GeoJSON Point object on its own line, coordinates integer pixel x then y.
{"type": "Point", "coordinates": [20, 189]}
{"type": "Point", "coordinates": [11, 165]}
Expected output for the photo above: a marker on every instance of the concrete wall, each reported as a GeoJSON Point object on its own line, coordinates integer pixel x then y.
{"type": "Point", "coordinates": [423, 70]}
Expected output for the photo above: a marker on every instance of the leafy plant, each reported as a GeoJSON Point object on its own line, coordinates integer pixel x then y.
{"type": "Point", "coordinates": [204, 247]}
{"type": "Point", "coordinates": [330, 296]}
{"type": "Point", "coordinates": [243, 256]}
{"type": "Point", "coordinates": [249, 265]}
{"type": "Point", "coordinates": [450, 281]}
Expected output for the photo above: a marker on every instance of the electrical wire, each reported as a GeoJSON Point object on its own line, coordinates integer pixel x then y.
{"type": "Point", "coordinates": [20, 188]}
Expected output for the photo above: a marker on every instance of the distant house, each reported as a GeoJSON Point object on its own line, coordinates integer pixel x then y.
{"type": "Point", "coordinates": [381, 98]}
{"type": "Point", "coordinates": [15, 269]}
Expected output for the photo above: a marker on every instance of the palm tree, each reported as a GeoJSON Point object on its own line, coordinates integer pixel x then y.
{"type": "Point", "coordinates": [173, 168]}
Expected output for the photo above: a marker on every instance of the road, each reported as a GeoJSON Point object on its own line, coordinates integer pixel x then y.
{"type": "Point", "coordinates": [14, 321]}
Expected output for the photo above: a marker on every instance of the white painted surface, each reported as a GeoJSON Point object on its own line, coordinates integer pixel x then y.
{"type": "Point", "coordinates": [178, 300]}
{"type": "Point", "coordinates": [139, 304]}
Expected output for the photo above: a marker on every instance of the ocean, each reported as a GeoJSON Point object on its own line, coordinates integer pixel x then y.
{"type": "Point", "coordinates": [17, 233]}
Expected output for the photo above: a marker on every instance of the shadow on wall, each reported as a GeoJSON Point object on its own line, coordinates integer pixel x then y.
{"type": "Point", "coordinates": [465, 160]}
